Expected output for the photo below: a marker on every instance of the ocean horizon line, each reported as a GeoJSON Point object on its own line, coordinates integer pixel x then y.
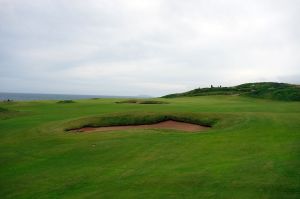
{"type": "Point", "coordinates": [56, 96]}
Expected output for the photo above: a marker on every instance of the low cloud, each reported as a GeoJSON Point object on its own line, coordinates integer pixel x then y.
{"type": "Point", "coordinates": [119, 47]}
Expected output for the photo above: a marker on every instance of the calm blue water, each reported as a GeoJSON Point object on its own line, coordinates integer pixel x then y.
{"type": "Point", "coordinates": [36, 96]}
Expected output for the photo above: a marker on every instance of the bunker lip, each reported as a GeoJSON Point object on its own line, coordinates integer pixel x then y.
{"type": "Point", "coordinates": [169, 124]}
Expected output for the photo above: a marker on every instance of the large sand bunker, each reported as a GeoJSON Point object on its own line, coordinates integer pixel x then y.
{"type": "Point", "coordinates": [169, 124]}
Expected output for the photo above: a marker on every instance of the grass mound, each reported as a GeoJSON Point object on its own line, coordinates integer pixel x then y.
{"type": "Point", "coordinates": [152, 102]}
{"type": "Point", "coordinates": [265, 90]}
{"type": "Point", "coordinates": [130, 101]}
{"type": "Point", "coordinates": [140, 119]}
{"type": "Point", "coordinates": [65, 102]}
{"type": "Point", "coordinates": [136, 101]}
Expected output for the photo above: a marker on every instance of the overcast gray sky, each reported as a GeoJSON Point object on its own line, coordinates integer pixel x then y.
{"type": "Point", "coordinates": [154, 47]}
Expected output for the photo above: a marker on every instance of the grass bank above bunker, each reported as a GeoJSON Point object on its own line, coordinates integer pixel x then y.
{"type": "Point", "coordinates": [144, 120]}
{"type": "Point", "coordinates": [169, 124]}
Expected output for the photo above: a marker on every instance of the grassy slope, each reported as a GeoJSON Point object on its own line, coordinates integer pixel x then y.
{"type": "Point", "coordinates": [256, 157]}
{"type": "Point", "coordinates": [265, 90]}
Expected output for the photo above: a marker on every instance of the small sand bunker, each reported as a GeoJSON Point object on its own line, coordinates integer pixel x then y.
{"type": "Point", "coordinates": [182, 126]}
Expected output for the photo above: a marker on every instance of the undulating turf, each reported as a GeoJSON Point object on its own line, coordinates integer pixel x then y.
{"type": "Point", "coordinates": [264, 90]}
{"type": "Point", "coordinates": [252, 151]}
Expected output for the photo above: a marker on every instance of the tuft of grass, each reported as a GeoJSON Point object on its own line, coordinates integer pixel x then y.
{"type": "Point", "coordinates": [65, 102]}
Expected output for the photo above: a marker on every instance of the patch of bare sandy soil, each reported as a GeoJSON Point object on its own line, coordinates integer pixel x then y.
{"type": "Point", "coordinates": [170, 124]}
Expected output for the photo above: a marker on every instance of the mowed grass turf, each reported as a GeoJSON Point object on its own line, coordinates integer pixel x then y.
{"type": "Point", "coordinates": [253, 151]}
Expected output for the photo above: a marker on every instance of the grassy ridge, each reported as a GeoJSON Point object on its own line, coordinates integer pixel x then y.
{"type": "Point", "coordinates": [65, 102]}
{"type": "Point", "coordinates": [139, 101]}
{"type": "Point", "coordinates": [265, 90]}
{"type": "Point", "coordinates": [252, 151]}
{"type": "Point", "coordinates": [136, 118]}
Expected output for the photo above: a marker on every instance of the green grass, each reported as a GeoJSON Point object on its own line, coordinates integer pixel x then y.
{"type": "Point", "coordinates": [252, 151]}
{"type": "Point", "coordinates": [139, 101]}
{"type": "Point", "coordinates": [264, 90]}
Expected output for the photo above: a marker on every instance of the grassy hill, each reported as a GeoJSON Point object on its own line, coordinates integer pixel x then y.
{"type": "Point", "coordinates": [266, 90]}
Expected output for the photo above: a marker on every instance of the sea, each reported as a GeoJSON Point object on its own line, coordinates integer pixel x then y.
{"type": "Point", "coordinates": [39, 96]}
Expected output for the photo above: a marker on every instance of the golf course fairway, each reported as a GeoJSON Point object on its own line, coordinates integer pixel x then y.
{"type": "Point", "coordinates": [252, 149]}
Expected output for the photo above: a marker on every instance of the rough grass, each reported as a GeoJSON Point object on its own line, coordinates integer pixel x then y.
{"type": "Point", "coordinates": [138, 101]}
{"type": "Point", "coordinates": [2, 110]}
{"type": "Point", "coordinates": [265, 90]}
{"type": "Point", "coordinates": [65, 102]}
{"type": "Point", "coordinates": [252, 151]}
{"type": "Point", "coordinates": [7, 113]}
